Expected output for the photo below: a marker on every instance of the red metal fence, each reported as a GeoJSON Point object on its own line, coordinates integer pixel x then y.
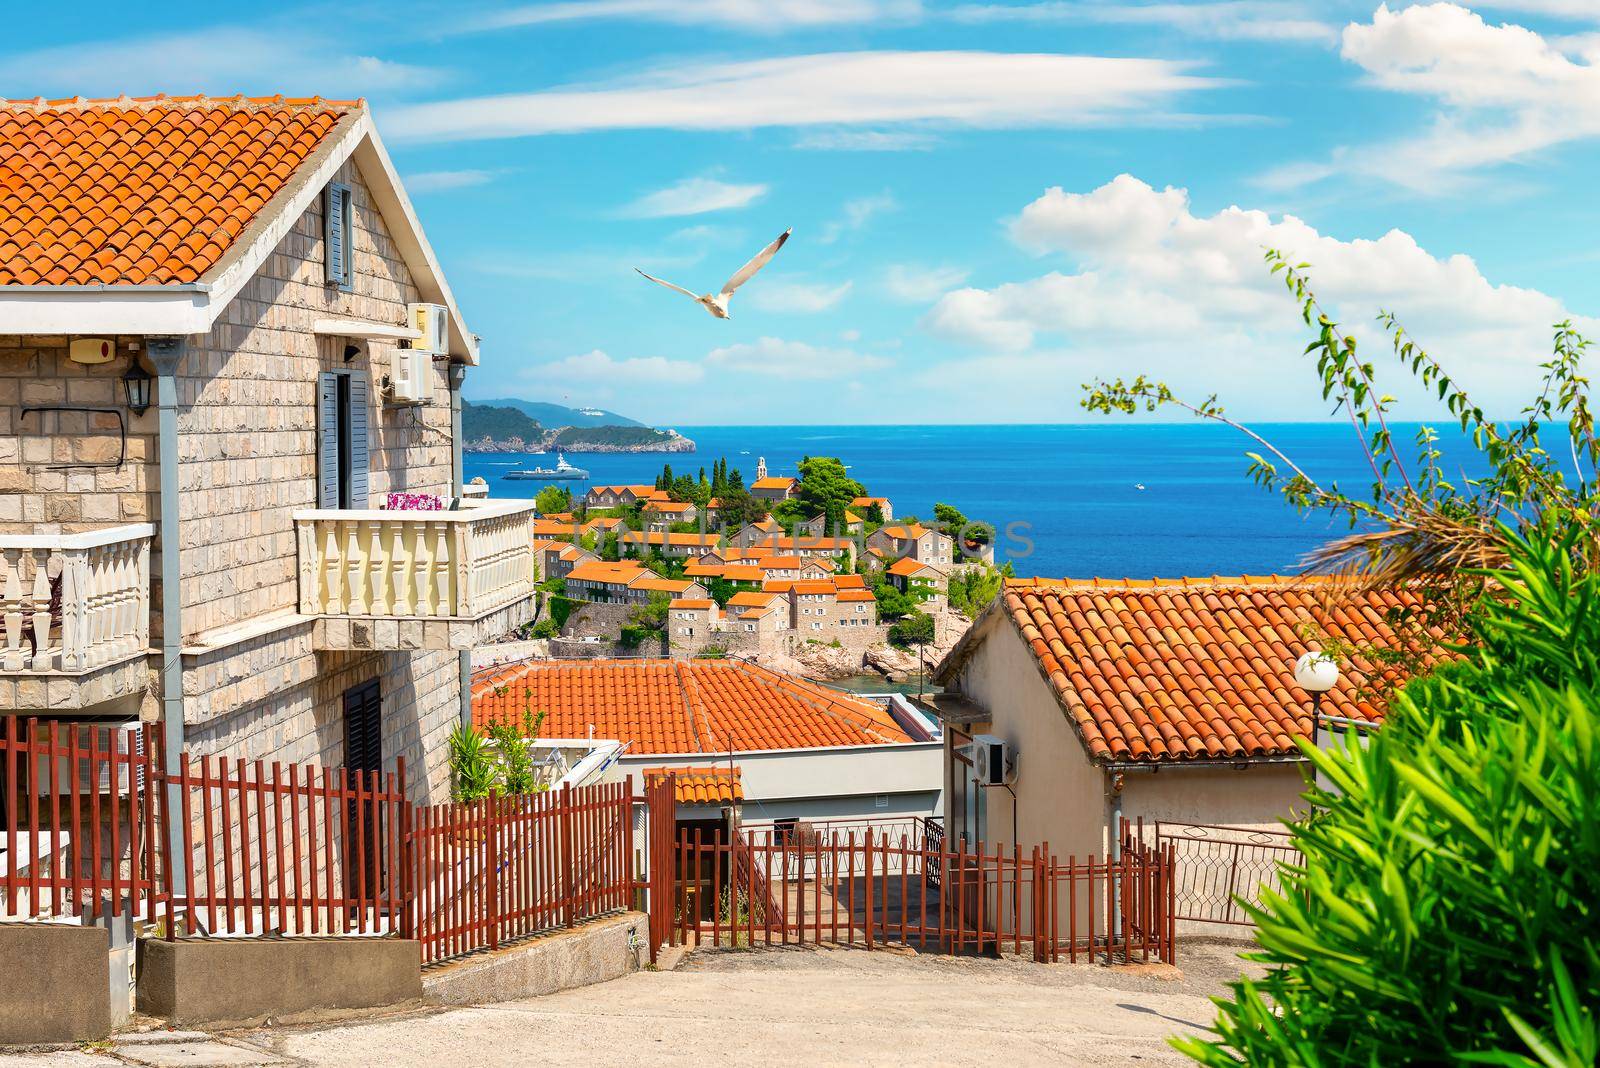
{"type": "Point", "coordinates": [769, 888]}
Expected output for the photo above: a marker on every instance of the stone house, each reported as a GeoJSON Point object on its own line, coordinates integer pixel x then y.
{"type": "Point", "coordinates": [557, 558]}
{"type": "Point", "coordinates": [624, 582]}
{"type": "Point", "coordinates": [691, 620]}
{"type": "Point", "coordinates": [862, 504]}
{"type": "Point", "coordinates": [224, 344]}
{"type": "Point", "coordinates": [616, 496]}
{"type": "Point", "coordinates": [679, 546]}
{"type": "Point", "coordinates": [908, 573]}
{"type": "Point", "coordinates": [819, 607]}
{"type": "Point", "coordinates": [771, 488]}
{"type": "Point", "coordinates": [753, 533]}
{"type": "Point", "coordinates": [819, 525]}
{"type": "Point", "coordinates": [929, 546]}
{"type": "Point", "coordinates": [757, 613]}
{"type": "Point", "coordinates": [659, 515]}
{"type": "Point", "coordinates": [808, 547]}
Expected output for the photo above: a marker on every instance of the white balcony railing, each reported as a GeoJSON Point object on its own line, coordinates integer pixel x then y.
{"type": "Point", "coordinates": [415, 565]}
{"type": "Point", "coordinates": [73, 602]}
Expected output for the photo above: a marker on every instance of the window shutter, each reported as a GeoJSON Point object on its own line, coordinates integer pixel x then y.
{"type": "Point", "coordinates": [336, 233]}
{"type": "Point", "coordinates": [359, 450]}
{"type": "Point", "coordinates": [327, 440]}
{"type": "Point", "coordinates": [363, 727]}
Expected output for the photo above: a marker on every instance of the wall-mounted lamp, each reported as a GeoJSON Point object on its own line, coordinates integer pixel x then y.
{"type": "Point", "coordinates": [136, 384]}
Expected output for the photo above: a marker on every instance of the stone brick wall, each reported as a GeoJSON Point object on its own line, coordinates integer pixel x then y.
{"type": "Point", "coordinates": [37, 494]}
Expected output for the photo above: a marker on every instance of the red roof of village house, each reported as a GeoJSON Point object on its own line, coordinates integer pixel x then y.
{"type": "Point", "coordinates": [554, 528]}
{"type": "Point", "coordinates": [850, 582]}
{"type": "Point", "coordinates": [147, 191]}
{"type": "Point", "coordinates": [692, 602]}
{"type": "Point", "coordinates": [694, 706]}
{"type": "Point", "coordinates": [846, 595]}
{"type": "Point", "coordinates": [751, 599]}
{"type": "Point", "coordinates": [814, 586]}
{"type": "Point", "coordinates": [638, 491]}
{"type": "Point", "coordinates": [1184, 669]}
{"type": "Point", "coordinates": [903, 531]}
{"type": "Point", "coordinates": [908, 566]}
{"type": "Point", "coordinates": [662, 537]}
{"type": "Point", "coordinates": [701, 785]}
{"type": "Point", "coordinates": [774, 482]}
{"type": "Point", "coordinates": [621, 571]}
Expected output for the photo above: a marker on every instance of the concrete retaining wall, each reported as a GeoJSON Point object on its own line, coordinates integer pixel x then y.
{"type": "Point", "coordinates": [596, 952]}
{"type": "Point", "coordinates": [238, 981]}
{"type": "Point", "coordinates": [56, 983]}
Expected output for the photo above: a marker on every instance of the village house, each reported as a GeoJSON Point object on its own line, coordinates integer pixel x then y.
{"type": "Point", "coordinates": [600, 526]}
{"type": "Point", "coordinates": [924, 544]}
{"type": "Point", "coordinates": [230, 371]}
{"type": "Point", "coordinates": [1167, 700]}
{"type": "Point", "coordinates": [819, 525]}
{"type": "Point", "coordinates": [557, 558]}
{"type": "Point", "coordinates": [807, 547]}
{"type": "Point", "coordinates": [817, 606]}
{"type": "Point", "coordinates": [757, 612]}
{"type": "Point", "coordinates": [556, 529]}
{"type": "Point", "coordinates": [691, 619]}
{"type": "Point", "coordinates": [616, 496]}
{"type": "Point", "coordinates": [799, 749]}
{"type": "Point", "coordinates": [752, 533]}
{"type": "Point", "coordinates": [861, 505]}
{"type": "Point", "coordinates": [909, 574]}
{"type": "Point", "coordinates": [659, 515]}
{"type": "Point", "coordinates": [624, 582]}
{"type": "Point", "coordinates": [670, 545]}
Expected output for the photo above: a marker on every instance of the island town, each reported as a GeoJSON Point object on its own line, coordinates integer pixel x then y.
{"type": "Point", "coordinates": [318, 747]}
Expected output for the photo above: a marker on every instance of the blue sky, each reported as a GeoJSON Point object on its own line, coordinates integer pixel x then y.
{"type": "Point", "coordinates": [992, 202]}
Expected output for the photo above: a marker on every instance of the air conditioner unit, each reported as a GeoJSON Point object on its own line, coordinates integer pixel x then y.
{"type": "Point", "coordinates": [431, 321]}
{"type": "Point", "coordinates": [410, 377]}
{"type": "Point", "coordinates": [994, 762]}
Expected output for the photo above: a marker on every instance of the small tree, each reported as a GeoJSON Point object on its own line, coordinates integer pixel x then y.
{"type": "Point", "coordinates": [826, 488]}
{"type": "Point", "coordinates": [553, 499]}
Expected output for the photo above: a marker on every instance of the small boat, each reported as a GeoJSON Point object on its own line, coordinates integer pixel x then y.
{"type": "Point", "coordinates": [1138, 485]}
{"type": "Point", "coordinates": [561, 472]}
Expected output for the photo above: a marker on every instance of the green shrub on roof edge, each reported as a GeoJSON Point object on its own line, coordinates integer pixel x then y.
{"type": "Point", "coordinates": [1447, 907]}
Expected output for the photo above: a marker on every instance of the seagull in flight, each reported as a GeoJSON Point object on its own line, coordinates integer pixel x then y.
{"type": "Point", "coordinates": [717, 303]}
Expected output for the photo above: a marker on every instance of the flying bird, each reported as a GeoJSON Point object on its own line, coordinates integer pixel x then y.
{"type": "Point", "coordinates": [717, 304]}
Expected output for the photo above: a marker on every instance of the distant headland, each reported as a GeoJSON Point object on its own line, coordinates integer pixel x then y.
{"type": "Point", "coordinates": [513, 425]}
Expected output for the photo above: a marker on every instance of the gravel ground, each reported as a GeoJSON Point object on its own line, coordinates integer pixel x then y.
{"type": "Point", "coordinates": [768, 1007]}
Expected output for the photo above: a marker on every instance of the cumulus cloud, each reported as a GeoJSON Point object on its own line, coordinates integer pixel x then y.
{"type": "Point", "coordinates": [1244, 20]}
{"type": "Point", "coordinates": [805, 298]}
{"type": "Point", "coordinates": [599, 366]}
{"type": "Point", "coordinates": [832, 90]}
{"type": "Point", "coordinates": [856, 214]}
{"type": "Point", "coordinates": [777, 358]}
{"type": "Point", "coordinates": [919, 284]}
{"type": "Point", "coordinates": [1144, 276]}
{"type": "Point", "coordinates": [694, 196]}
{"type": "Point", "coordinates": [763, 16]}
{"type": "Point", "coordinates": [1503, 93]}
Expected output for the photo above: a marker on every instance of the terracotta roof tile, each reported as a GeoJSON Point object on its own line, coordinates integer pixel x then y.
{"type": "Point", "coordinates": [1196, 668]}
{"type": "Point", "coordinates": [702, 785]}
{"type": "Point", "coordinates": [150, 191]}
{"type": "Point", "coordinates": [697, 706]}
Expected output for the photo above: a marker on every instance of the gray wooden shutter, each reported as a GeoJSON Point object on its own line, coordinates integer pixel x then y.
{"type": "Point", "coordinates": [336, 232]}
{"type": "Point", "coordinates": [327, 441]}
{"type": "Point", "coordinates": [359, 451]}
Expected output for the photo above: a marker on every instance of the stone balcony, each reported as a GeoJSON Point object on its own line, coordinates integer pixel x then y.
{"type": "Point", "coordinates": [395, 580]}
{"type": "Point", "coordinates": [75, 614]}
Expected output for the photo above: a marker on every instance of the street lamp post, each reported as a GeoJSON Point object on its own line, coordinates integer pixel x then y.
{"type": "Point", "coordinates": [1316, 673]}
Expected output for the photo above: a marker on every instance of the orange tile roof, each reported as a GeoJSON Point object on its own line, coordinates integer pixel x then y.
{"type": "Point", "coordinates": [702, 785]}
{"type": "Point", "coordinates": [814, 586]}
{"type": "Point", "coordinates": [692, 602]}
{"type": "Point", "coordinates": [669, 507]}
{"type": "Point", "coordinates": [752, 599]}
{"type": "Point", "coordinates": [148, 191]}
{"type": "Point", "coordinates": [663, 585]}
{"type": "Point", "coordinates": [742, 573]}
{"type": "Point", "coordinates": [778, 585]}
{"type": "Point", "coordinates": [637, 491]}
{"type": "Point", "coordinates": [850, 582]}
{"type": "Point", "coordinates": [1194, 668]}
{"type": "Point", "coordinates": [908, 566]}
{"type": "Point", "coordinates": [868, 502]}
{"type": "Point", "coordinates": [621, 572]}
{"type": "Point", "coordinates": [774, 482]}
{"type": "Point", "coordinates": [821, 563]}
{"type": "Point", "coordinates": [662, 537]}
{"type": "Point", "coordinates": [553, 528]}
{"type": "Point", "coordinates": [779, 563]}
{"type": "Point", "coordinates": [694, 706]}
{"type": "Point", "coordinates": [604, 522]}
{"type": "Point", "coordinates": [561, 517]}
{"type": "Point", "coordinates": [847, 595]}
{"type": "Point", "coordinates": [903, 531]}
{"type": "Point", "coordinates": [699, 570]}
{"type": "Point", "coordinates": [774, 542]}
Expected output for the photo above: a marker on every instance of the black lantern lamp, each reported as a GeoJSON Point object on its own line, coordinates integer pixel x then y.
{"type": "Point", "coordinates": [136, 383]}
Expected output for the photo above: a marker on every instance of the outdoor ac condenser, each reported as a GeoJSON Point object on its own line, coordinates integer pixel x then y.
{"type": "Point", "coordinates": [433, 324]}
{"type": "Point", "coordinates": [994, 761]}
{"type": "Point", "coordinates": [410, 377]}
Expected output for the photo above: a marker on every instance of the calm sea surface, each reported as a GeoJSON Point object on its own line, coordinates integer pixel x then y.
{"type": "Point", "coordinates": [1068, 494]}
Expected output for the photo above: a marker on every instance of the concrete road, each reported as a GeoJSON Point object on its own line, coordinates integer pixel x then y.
{"type": "Point", "coordinates": [764, 1007]}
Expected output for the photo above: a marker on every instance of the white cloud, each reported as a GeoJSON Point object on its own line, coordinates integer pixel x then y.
{"type": "Point", "coordinates": [839, 89]}
{"type": "Point", "coordinates": [777, 358]}
{"type": "Point", "coordinates": [694, 196]}
{"type": "Point", "coordinates": [762, 16]}
{"type": "Point", "coordinates": [1249, 20]}
{"type": "Point", "coordinates": [918, 284]}
{"type": "Point", "coordinates": [1149, 285]}
{"type": "Point", "coordinates": [599, 366]}
{"type": "Point", "coordinates": [1573, 9]}
{"type": "Point", "coordinates": [217, 61]}
{"type": "Point", "coordinates": [856, 214]}
{"type": "Point", "coordinates": [803, 298]}
{"type": "Point", "coordinates": [443, 181]}
{"type": "Point", "coordinates": [1503, 93]}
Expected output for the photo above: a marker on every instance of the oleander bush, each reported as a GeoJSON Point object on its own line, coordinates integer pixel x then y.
{"type": "Point", "coordinates": [1447, 909]}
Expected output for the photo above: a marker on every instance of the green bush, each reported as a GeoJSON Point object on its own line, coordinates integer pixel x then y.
{"type": "Point", "coordinates": [545, 628]}
{"type": "Point", "coordinates": [560, 608]}
{"type": "Point", "coordinates": [1447, 909]}
{"type": "Point", "coordinates": [472, 765]}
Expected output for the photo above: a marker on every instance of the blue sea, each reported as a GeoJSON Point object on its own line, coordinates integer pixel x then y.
{"type": "Point", "coordinates": [1065, 499]}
